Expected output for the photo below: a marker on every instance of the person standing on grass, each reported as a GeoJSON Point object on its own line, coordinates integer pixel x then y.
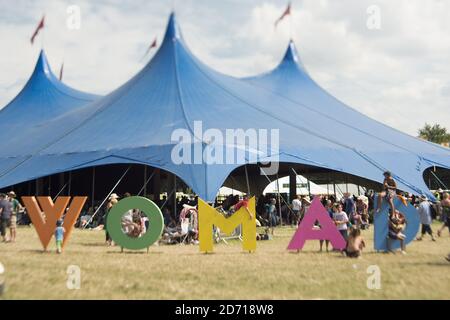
{"type": "Point", "coordinates": [5, 216]}
{"type": "Point", "coordinates": [306, 203]}
{"type": "Point", "coordinates": [329, 208]}
{"type": "Point", "coordinates": [424, 210]}
{"type": "Point", "coordinates": [445, 210]}
{"type": "Point", "coordinates": [296, 207]}
{"type": "Point", "coordinates": [340, 220]}
{"type": "Point", "coordinates": [59, 235]}
{"type": "Point", "coordinates": [16, 207]}
{"type": "Point", "coordinates": [349, 206]}
{"type": "Point", "coordinates": [113, 199]}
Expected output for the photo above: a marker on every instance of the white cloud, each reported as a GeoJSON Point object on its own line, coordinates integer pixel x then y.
{"type": "Point", "coordinates": [399, 74]}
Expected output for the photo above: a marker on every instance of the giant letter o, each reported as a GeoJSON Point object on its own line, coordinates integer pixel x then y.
{"type": "Point", "coordinates": [151, 210]}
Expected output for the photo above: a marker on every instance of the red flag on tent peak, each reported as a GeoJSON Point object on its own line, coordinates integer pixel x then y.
{"type": "Point", "coordinates": [154, 44]}
{"type": "Point", "coordinates": [38, 28]}
{"type": "Point", "coordinates": [285, 13]}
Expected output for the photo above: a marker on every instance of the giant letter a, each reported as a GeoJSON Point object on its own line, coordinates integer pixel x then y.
{"type": "Point", "coordinates": [44, 220]}
{"type": "Point", "coordinates": [328, 230]}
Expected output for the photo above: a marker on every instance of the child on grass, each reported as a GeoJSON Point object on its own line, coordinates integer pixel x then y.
{"type": "Point", "coordinates": [59, 235]}
{"type": "Point", "coordinates": [397, 223]}
{"type": "Point", "coordinates": [355, 243]}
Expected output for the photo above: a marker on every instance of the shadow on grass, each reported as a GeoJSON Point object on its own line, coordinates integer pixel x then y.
{"type": "Point", "coordinates": [137, 252]}
{"type": "Point", "coordinates": [40, 251]}
{"type": "Point", "coordinates": [443, 263]}
{"type": "Point", "coordinates": [93, 244]}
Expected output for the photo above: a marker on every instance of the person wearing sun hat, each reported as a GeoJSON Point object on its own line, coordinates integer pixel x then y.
{"type": "Point", "coordinates": [424, 210]}
{"type": "Point", "coordinates": [112, 200]}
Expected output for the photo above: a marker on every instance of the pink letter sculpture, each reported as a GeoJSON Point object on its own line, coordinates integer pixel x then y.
{"type": "Point", "coordinates": [328, 230]}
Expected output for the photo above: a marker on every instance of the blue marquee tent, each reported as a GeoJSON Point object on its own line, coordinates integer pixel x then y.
{"type": "Point", "coordinates": [43, 97]}
{"type": "Point", "coordinates": [291, 80]}
{"type": "Point", "coordinates": [135, 124]}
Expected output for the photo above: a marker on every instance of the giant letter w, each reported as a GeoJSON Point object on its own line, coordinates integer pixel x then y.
{"type": "Point", "coordinates": [44, 217]}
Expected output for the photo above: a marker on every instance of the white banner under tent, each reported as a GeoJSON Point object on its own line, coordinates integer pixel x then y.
{"type": "Point", "coordinates": [302, 188]}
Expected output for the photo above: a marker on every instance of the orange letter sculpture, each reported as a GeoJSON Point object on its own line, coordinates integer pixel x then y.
{"type": "Point", "coordinates": [44, 217]}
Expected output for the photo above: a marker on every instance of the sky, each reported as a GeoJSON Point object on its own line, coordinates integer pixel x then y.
{"type": "Point", "coordinates": [398, 73]}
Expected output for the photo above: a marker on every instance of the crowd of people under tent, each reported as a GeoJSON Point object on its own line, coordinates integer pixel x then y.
{"type": "Point", "coordinates": [350, 213]}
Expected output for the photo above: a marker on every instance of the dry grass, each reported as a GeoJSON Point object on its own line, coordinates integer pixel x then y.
{"type": "Point", "coordinates": [181, 272]}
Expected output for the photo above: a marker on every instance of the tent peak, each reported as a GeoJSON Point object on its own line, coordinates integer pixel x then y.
{"type": "Point", "coordinates": [291, 53]}
{"type": "Point", "coordinates": [173, 30]}
{"type": "Point", "coordinates": [42, 65]}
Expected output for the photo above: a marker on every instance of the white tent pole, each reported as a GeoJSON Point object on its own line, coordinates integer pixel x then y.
{"type": "Point", "coordinates": [106, 198]}
{"type": "Point", "coordinates": [279, 202]}
{"type": "Point", "coordinates": [61, 190]}
{"type": "Point", "coordinates": [144, 187]}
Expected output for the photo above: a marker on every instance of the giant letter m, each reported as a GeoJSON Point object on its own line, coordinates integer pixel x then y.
{"type": "Point", "coordinates": [209, 217]}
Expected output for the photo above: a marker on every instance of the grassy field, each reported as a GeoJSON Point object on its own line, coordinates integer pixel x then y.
{"type": "Point", "coordinates": [181, 272]}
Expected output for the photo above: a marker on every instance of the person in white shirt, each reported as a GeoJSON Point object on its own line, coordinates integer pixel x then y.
{"type": "Point", "coordinates": [340, 219]}
{"type": "Point", "coordinates": [296, 207]}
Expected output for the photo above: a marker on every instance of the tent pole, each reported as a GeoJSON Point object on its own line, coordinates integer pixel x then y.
{"type": "Point", "coordinates": [279, 200]}
{"type": "Point", "coordinates": [334, 190]}
{"type": "Point", "coordinates": [309, 187]}
{"type": "Point", "coordinates": [93, 188]}
{"type": "Point", "coordinates": [439, 180]}
{"type": "Point", "coordinates": [70, 184]}
{"type": "Point", "coordinates": [270, 181]}
{"type": "Point", "coordinates": [167, 199]}
{"type": "Point", "coordinates": [106, 198]}
{"type": "Point", "coordinates": [144, 187]}
{"type": "Point", "coordinates": [59, 192]}
{"type": "Point", "coordinates": [156, 186]}
{"type": "Point", "coordinates": [248, 183]}
{"type": "Point", "coordinates": [145, 180]}
{"type": "Point", "coordinates": [175, 195]}
{"type": "Point", "coordinates": [292, 185]}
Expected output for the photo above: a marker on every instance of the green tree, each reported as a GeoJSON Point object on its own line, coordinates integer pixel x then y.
{"type": "Point", "coordinates": [434, 133]}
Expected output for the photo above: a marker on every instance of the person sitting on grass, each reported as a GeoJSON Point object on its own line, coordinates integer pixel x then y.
{"type": "Point", "coordinates": [59, 235]}
{"type": "Point", "coordinates": [355, 244]}
{"type": "Point", "coordinates": [397, 223]}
